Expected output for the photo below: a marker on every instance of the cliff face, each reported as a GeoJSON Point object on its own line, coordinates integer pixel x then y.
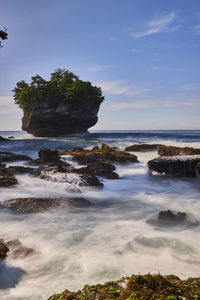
{"type": "Point", "coordinates": [42, 120]}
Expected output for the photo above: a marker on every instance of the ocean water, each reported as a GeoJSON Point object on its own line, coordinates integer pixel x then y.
{"type": "Point", "coordinates": [118, 236]}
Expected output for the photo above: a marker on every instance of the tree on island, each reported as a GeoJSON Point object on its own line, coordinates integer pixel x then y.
{"type": "Point", "coordinates": [64, 104]}
{"type": "Point", "coordinates": [3, 35]}
{"type": "Point", "coordinates": [63, 87]}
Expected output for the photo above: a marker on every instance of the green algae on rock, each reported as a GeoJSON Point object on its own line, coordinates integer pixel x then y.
{"type": "Point", "coordinates": [175, 151]}
{"type": "Point", "coordinates": [6, 177]}
{"type": "Point", "coordinates": [137, 287]}
{"type": "Point", "coordinates": [105, 153]}
{"type": "Point", "coordinates": [184, 166]}
{"type": "Point", "coordinates": [142, 147]}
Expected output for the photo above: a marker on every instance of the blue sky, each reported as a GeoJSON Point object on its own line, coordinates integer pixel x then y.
{"type": "Point", "coordinates": [145, 54]}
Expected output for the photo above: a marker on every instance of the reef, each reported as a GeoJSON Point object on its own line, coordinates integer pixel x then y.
{"type": "Point", "coordinates": [97, 154]}
{"type": "Point", "coordinates": [142, 147]}
{"type": "Point", "coordinates": [38, 205]}
{"type": "Point", "coordinates": [184, 166]}
{"type": "Point", "coordinates": [175, 151]}
{"type": "Point", "coordinates": [9, 157]}
{"type": "Point", "coordinates": [138, 287]}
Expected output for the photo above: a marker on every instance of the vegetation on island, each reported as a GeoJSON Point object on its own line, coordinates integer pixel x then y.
{"type": "Point", "coordinates": [63, 87]}
{"type": "Point", "coordinates": [3, 35]}
{"type": "Point", "coordinates": [138, 287]}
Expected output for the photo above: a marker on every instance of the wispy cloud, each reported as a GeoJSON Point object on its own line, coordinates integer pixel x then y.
{"type": "Point", "coordinates": [158, 68]}
{"type": "Point", "coordinates": [123, 87]}
{"type": "Point", "coordinates": [158, 25]}
{"type": "Point", "coordinates": [190, 87]}
{"type": "Point", "coordinates": [7, 105]}
{"type": "Point", "coordinates": [98, 68]}
{"type": "Point", "coordinates": [196, 29]}
{"type": "Point", "coordinates": [133, 105]}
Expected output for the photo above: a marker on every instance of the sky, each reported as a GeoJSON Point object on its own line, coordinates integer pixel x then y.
{"type": "Point", "coordinates": [144, 54]}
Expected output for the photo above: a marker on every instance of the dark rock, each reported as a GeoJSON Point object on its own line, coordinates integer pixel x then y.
{"type": "Point", "coordinates": [105, 153]}
{"type": "Point", "coordinates": [17, 250]}
{"type": "Point", "coordinates": [91, 180]}
{"type": "Point", "coordinates": [197, 167]}
{"type": "Point", "coordinates": [37, 205]}
{"type": "Point", "coordinates": [168, 215]}
{"type": "Point", "coordinates": [6, 177]}
{"type": "Point", "coordinates": [2, 139]}
{"type": "Point", "coordinates": [176, 151]}
{"type": "Point", "coordinates": [142, 147]}
{"type": "Point", "coordinates": [42, 120]}
{"type": "Point", "coordinates": [100, 168]}
{"type": "Point", "coordinates": [3, 251]}
{"type": "Point", "coordinates": [47, 155]}
{"type": "Point", "coordinates": [23, 170]}
{"type": "Point", "coordinates": [9, 157]}
{"type": "Point", "coordinates": [11, 137]}
{"type": "Point", "coordinates": [185, 167]}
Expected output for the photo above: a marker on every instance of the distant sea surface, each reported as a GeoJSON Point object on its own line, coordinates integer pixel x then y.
{"type": "Point", "coordinates": [117, 237]}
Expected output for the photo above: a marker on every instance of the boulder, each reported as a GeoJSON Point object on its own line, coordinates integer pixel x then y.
{"type": "Point", "coordinates": [184, 166]}
{"type": "Point", "coordinates": [168, 215]}
{"type": "Point", "coordinates": [38, 205]}
{"type": "Point", "coordinates": [90, 180]}
{"type": "Point", "coordinates": [100, 168]}
{"type": "Point", "coordinates": [176, 151]}
{"type": "Point", "coordinates": [48, 155]}
{"type": "Point", "coordinates": [142, 147]}
{"type": "Point", "coordinates": [23, 170]}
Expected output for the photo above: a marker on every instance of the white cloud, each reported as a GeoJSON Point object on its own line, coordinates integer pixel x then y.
{"type": "Point", "coordinates": [134, 105]}
{"type": "Point", "coordinates": [157, 68]}
{"type": "Point", "coordinates": [157, 25]}
{"type": "Point", "coordinates": [98, 68]}
{"type": "Point", "coordinates": [7, 105]}
{"type": "Point", "coordinates": [190, 87]}
{"type": "Point", "coordinates": [196, 29]}
{"type": "Point", "coordinates": [123, 87]}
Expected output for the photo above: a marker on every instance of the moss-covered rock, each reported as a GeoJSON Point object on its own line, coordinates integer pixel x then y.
{"type": "Point", "coordinates": [100, 168]}
{"type": "Point", "coordinates": [3, 251]}
{"type": "Point", "coordinates": [142, 147]}
{"type": "Point", "coordinates": [97, 154]}
{"type": "Point", "coordinates": [175, 151]}
{"type": "Point", "coordinates": [36, 205]}
{"type": "Point", "coordinates": [6, 177]}
{"type": "Point", "coordinates": [137, 287]}
{"type": "Point", "coordinates": [175, 166]}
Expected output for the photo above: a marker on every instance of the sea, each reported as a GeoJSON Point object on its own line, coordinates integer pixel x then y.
{"type": "Point", "coordinates": [120, 235]}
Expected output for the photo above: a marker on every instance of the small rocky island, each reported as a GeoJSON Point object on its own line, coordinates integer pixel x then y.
{"type": "Point", "coordinates": [63, 105]}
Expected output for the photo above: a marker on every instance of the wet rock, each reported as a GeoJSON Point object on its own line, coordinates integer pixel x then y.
{"type": "Point", "coordinates": [100, 168]}
{"type": "Point", "coordinates": [9, 157]}
{"type": "Point", "coordinates": [104, 153]}
{"type": "Point", "coordinates": [91, 180]}
{"type": "Point", "coordinates": [3, 251]}
{"type": "Point", "coordinates": [38, 205]}
{"type": "Point", "coordinates": [143, 147]}
{"type": "Point", "coordinates": [48, 155]}
{"type": "Point", "coordinates": [23, 170]}
{"type": "Point", "coordinates": [168, 215]}
{"type": "Point", "coordinates": [2, 139]}
{"type": "Point", "coordinates": [176, 151]}
{"type": "Point", "coordinates": [6, 177]}
{"type": "Point", "coordinates": [17, 250]}
{"type": "Point", "coordinates": [197, 167]}
{"type": "Point", "coordinates": [175, 166]}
